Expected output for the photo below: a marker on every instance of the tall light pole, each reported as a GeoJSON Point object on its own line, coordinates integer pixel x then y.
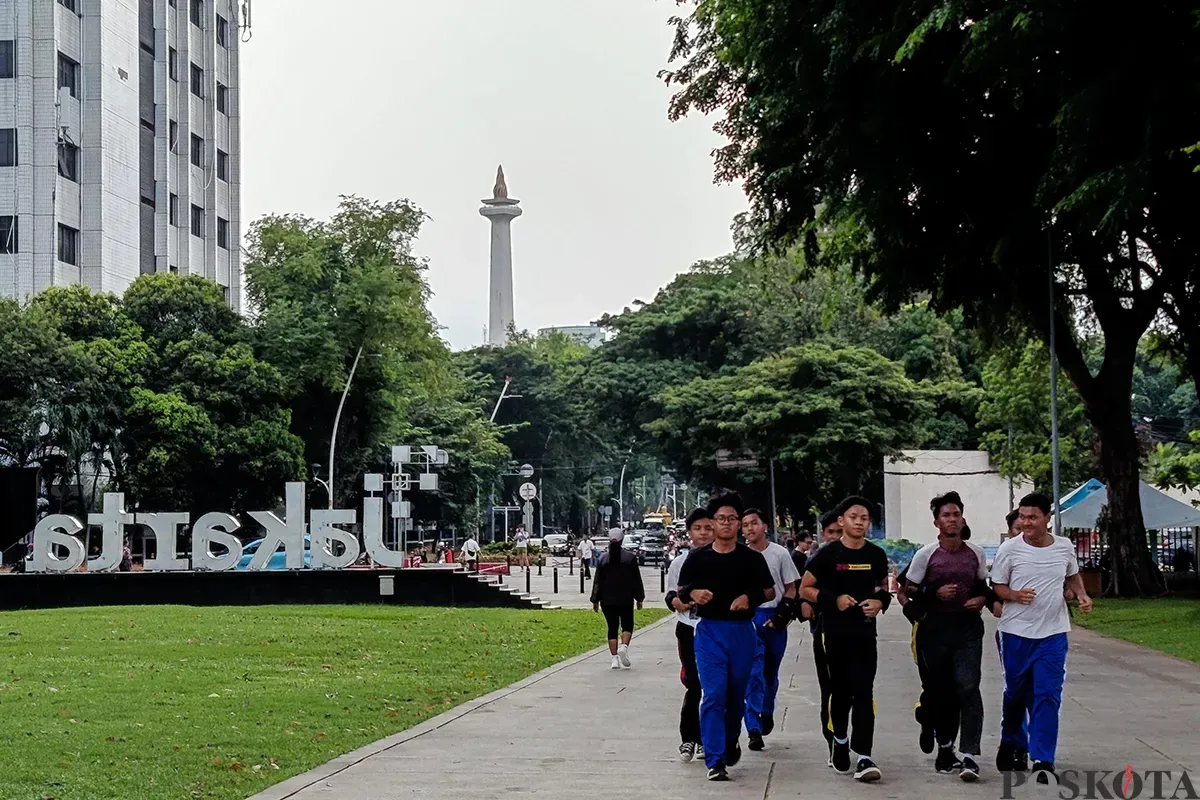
{"type": "Point", "coordinates": [337, 419]}
{"type": "Point", "coordinates": [504, 395]}
{"type": "Point", "coordinates": [621, 490]}
{"type": "Point", "coordinates": [1053, 390]}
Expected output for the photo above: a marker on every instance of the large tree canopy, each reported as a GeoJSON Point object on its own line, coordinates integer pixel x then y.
{"type": "Point", "coordinates": [963, 148]}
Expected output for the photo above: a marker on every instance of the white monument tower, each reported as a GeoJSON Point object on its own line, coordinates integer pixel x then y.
{"type": "Point", "coordinates": [501, 211]}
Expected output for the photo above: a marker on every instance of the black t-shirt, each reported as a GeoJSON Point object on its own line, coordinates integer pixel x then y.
{"type": "Point", "coordinates": [860, 573]}
{"type": "Point", "coordinates": [742, 571]}
{"type": "Point", "coordinates": [800, 560]}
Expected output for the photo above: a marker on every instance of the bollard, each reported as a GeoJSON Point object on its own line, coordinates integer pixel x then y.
{"type": "Point", "coordinates": [541, 561]}
{"type": "Point", "coordinates": [571, 566]}
{"type": "Point", "coordinates": [662, 579]}
{"type": "Point", "coordinates": [556, 580]}
{"type": "Point", "coordinates": [528, 576]}
{"type": "Point", "coordinates": [581, 581]}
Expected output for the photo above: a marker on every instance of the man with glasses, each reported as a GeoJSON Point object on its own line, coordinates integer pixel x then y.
{"type": "Point", "coordinates": [726, 581]}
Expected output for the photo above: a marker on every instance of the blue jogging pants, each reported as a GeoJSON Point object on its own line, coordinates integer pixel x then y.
{"type": "Point", "coordinates": [1034, 671]}
{"type": "Point", "coordinates": [764, 676]}
{"type": "Point", "coordinates": [724, 658]}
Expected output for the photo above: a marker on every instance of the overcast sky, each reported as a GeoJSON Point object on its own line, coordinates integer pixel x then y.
{"type": "Point", "coordinates": [422, 99]}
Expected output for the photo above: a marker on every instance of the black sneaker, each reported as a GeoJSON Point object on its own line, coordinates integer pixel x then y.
{"type": "Point", "coordinates": [756, 741]}
{"type": "Point", "coordinates": [733, 755]}
{"type": "Point", "coordinates": [947, 762]}
{"type": "Point", "coordinates": [1006, 755]}
{"type": "Point", "coordinates": [841, 757]}
{"type": "Point", "coordinates": [1020, 761]}
{"type": "Point", "coordinates": [767, 721]}
{"type": "Point", "coordinates": [970, 770]}
{"type": "Point", "coordinates": [867, 772]}
{"type": "Point", "coordinates": [926, 740]}
{"type": "Point", "coordinates": [718, 773]}
{"type": "Point", "coordinates": [1043, 771]}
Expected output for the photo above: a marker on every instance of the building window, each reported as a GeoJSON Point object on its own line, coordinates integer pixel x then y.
{"type": "Point", "coordinates": [8, 59]}
{"type": "Point", "coordinates": [173, 136]}
{"type": "Point", "coordinates": [68, 75]}
{"type": "Point", "coordinates": [173, 269]}
{"type": "Point", "coordinates": [198, 12]}
{"type": "Point", "coordinates": [223, 165]}
{"type": "Point", "coordinates": [197, 151]}
{"type": "Point", "coordinates": [197, 81]}
{"type": "Point", "coordinates": [173, 64]}
{"type": "Point", "coordinates": [70, 5]}
{"type": "Point", "coordinates": [68, 161]}
{"type": "Point", "coordinates": [68, 245]}
{"type": "Point", "coordinates": [222, 98]}
{"type": "Point", "coordinates": [8, 147]}
{"type": "Point", "coordinates": [9, 240]}
{"type": "Point", "coordinates": [223, 233]}
{"type": "Point", "coordinates": [197, 221]}
{"type": "Point", "coordinates": [173, 210]}
{"type": "Point", "coordinates": [222, 31]}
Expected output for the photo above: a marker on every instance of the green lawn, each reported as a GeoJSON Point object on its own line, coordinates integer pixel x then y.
{"type": "Point", "coordinates": [1171, 625]}
{"type": "Point", "coordinates": [179, 702]}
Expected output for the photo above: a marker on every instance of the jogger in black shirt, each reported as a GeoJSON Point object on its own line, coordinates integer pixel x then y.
{"type": "Point", "coordinates": [831, 531]}
{"type": "Point", "coordinates": [848, 581]}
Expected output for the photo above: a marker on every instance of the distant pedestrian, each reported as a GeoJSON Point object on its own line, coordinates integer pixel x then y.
{"type": "Point", "coordinates": [470, 552]}
{"type": "Point", "coordinates": [521, 547]}
{"type": "Point", "coordinates": [700, 533]}
{"type": "Point", "coordinates": [617, 587]}
{"type": "Point", "coordinates": [586, 552]}
{"type": "Point", "coordinates": [126, 564]}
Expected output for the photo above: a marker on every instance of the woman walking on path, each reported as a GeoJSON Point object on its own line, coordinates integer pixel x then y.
{"type": "Point", "coordinates": [616, 588]}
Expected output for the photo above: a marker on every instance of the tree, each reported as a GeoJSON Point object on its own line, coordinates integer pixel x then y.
{"type": "Point", "coordinates": [976, 153]}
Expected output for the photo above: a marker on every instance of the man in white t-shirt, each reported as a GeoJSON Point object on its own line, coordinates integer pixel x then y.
{"type": "Point", "coordinates": [770, 620]}
{"type": "Point", "coordinates": [700, 533]}
{"type": "Point", "coordinates": [521, 547]}
{"type": "Point", "coordinates": [586, 551]}
{"type": "Point", "coordinates": [470, 552]}
{"type": "Point", "coordinates": [1028, 574]}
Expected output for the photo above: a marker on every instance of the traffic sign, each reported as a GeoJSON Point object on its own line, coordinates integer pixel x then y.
{"type": "Point", "coordinates": [526, 471]}
{"type": "Point", "coordinates": [528, 491]}
{"type": "Point", "coordinates": [605, 511]}
{"type": "Point", "coordinates": [608, 481]}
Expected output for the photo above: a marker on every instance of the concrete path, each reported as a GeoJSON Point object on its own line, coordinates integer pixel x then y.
{"type": "Point", "coordinates": [581, 730]}
{"type": "Point", "coordinates": [568, 595]}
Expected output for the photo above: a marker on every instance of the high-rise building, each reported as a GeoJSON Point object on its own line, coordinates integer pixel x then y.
{"type": "Point", "coordinates": [120, 146]}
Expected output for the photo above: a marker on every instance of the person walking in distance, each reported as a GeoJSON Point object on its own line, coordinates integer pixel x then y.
{"type": "Point", "coordinates": [521, 547]}
{"type": "Point", "coordinates": [770, 622]}
{"type": "Point", "coordinates": [831, 531]}
{"type": "Point", "coordinates": [700, 534]}
{"type": "Point", "coordinates": [848, 580]}
{"type": "Point", "coordinates": [586, 551]}
{"type": "Point", "coordinates": [617, 587]}
{"type": "Point", "coordinates": [1028, 575]}
{"type": "Point", "coordinates": [950, 577]}
{"type": "Point", "coordinates": [470, 552]}
{"type": "Point", "coordinates": [726, 581]}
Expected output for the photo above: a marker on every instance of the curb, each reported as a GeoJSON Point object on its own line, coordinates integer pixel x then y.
{"type": "Point", "coordinates": [293, 786]}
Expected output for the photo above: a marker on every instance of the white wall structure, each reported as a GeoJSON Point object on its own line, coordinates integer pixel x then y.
{"type": "Point", "coordinates": [501, 211]}
{"type": "Point", "coordinates": [120, 143]}
{"type": "Point", "coordinates": [909, 485]}
{"type": "Point", "coordinates": [588, 335]}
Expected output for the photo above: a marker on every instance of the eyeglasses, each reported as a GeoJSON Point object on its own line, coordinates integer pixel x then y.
{"type": "Point", "coordinates": [725, 520]}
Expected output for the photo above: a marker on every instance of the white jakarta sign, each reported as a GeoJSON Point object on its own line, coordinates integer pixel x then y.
{"type": "Point", "coordinates": [58, 548]}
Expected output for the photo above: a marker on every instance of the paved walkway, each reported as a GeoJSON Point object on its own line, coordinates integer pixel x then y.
{"type": "Point", "coordinates": [568, 595]}
{"type": "Point", "coordinates": [581, 730]}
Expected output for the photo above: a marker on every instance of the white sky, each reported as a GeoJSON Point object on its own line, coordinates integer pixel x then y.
{"type": "Point", "coordinates": [422, 99]}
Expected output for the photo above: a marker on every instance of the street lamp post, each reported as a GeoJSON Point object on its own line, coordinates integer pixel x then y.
{"type": "Point", "coordinates": [504, 395]}
{"type": "Point", "coordinates": [337, 419]}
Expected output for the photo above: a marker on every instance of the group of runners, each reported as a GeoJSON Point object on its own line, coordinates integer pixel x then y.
{"type": "Point", "coordinates": [734, 600]}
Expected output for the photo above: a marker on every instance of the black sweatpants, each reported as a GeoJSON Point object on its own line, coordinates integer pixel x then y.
{"type": "Point", "coordinates": [821, 663]}
{"type": "Point", "coordinates": [941, 718]}
{"type": "Point", "coordinates": [853, 659]}
{"type": "Point", "coordinates": [951, 643]}
{"type": "Point", "coordinates": [618, 614]}
{"type": "Point", "coordinates": [689, 715]}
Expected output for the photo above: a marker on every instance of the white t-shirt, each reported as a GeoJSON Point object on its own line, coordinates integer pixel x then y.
{"type": "Point", "coordinates": [586, 548]}
{"type": "Point", "coordinates": [522, 539]}
{"type": "Point", "coordinates": [1019, 565]}
{"type": "Point", "coordinates": [783, 570]}
{"type": "Point", "coordinates": [471, 548]}
{"type": "Point", "coordinates": [686, 617]}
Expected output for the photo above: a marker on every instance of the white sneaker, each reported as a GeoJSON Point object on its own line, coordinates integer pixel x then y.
{"type": "Point", "coordinates": [616, 662]}
{"type": "Point", "coordinates": [623, 654]}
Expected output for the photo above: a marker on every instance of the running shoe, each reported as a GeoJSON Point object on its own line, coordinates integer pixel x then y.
{"type": "Point", "coordinates": [1020, 761]}
{"type": "Point", "coordinates": [767, 723]}
{"type": "Point", "coordinates": [616, 662]}
{"type": "Point", "coordinates": [687, 751]}
{"type": "Point", "coordinates": [867, 772]}
{"type": "Point", "coordinates": [733, 755]}
{"type": "Point", "coordinates": [1006, 755]}
{"type": "Point", "coordinates": [841, 757]}
{"type": "Point", "coordinates": [718, 773]}
{"type": "Point", "coordinates": [699, 751]}
{"type": "Point", "coordinates": [756, 741]}
{"type": "Point", "coordinates": [623, 654]}
{"type": "Point", "coordinates": [970, 770]}
{"type": "Point", "coordinates": [947, 762]}
{"type": "Point", "coordinates": [1043, 771]}
{"type": "Point", "coordinates": [926, 740]}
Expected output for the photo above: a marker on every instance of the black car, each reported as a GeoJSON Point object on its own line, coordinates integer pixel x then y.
{"type": "Point", "coordinates": [652, 549]}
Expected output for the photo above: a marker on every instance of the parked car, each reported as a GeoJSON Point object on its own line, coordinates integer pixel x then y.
{"type": "Point", "coordinates": [633, 540]}
{"type": "Point", "coordinates": [278, 560]}
{"type": "Point", "coordinates": [652, 549]}
{"type": "Point", "coordinates": [558, 544]}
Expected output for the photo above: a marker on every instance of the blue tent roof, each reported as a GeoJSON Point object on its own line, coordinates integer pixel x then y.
{"type": "Point", "coordinates": [1080, 493]}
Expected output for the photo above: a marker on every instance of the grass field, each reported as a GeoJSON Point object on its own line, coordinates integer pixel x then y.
{"type": "Point", "coordinates": [1171, 625]}
{"type": "Point", "coordinates": [178, 702]}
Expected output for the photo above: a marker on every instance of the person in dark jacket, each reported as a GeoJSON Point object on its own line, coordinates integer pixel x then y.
{"type": "Point", "coordinates": [616, 587]}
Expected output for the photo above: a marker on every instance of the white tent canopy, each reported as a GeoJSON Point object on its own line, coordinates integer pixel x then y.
{"type": "Point", "coordinates": [1159, 511]}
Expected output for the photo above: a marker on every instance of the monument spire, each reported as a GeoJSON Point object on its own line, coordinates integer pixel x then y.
{"type": "Point", "coordinates": [500, 211]}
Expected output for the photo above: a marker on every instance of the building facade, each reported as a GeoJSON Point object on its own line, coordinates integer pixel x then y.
{"type": "Point", "coordinates": [119, 143]}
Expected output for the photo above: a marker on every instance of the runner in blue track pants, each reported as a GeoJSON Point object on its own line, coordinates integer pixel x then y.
{"type": "Point", "coordinates": [727, 581]}
{"type": "Point", "coordinates": [1028, 574]}
{"type": "Point", "coordinates": [770, 622]}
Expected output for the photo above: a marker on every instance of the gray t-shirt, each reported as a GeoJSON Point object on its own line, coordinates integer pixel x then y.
{"type": "Point", "coordinates": [935, 566]}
